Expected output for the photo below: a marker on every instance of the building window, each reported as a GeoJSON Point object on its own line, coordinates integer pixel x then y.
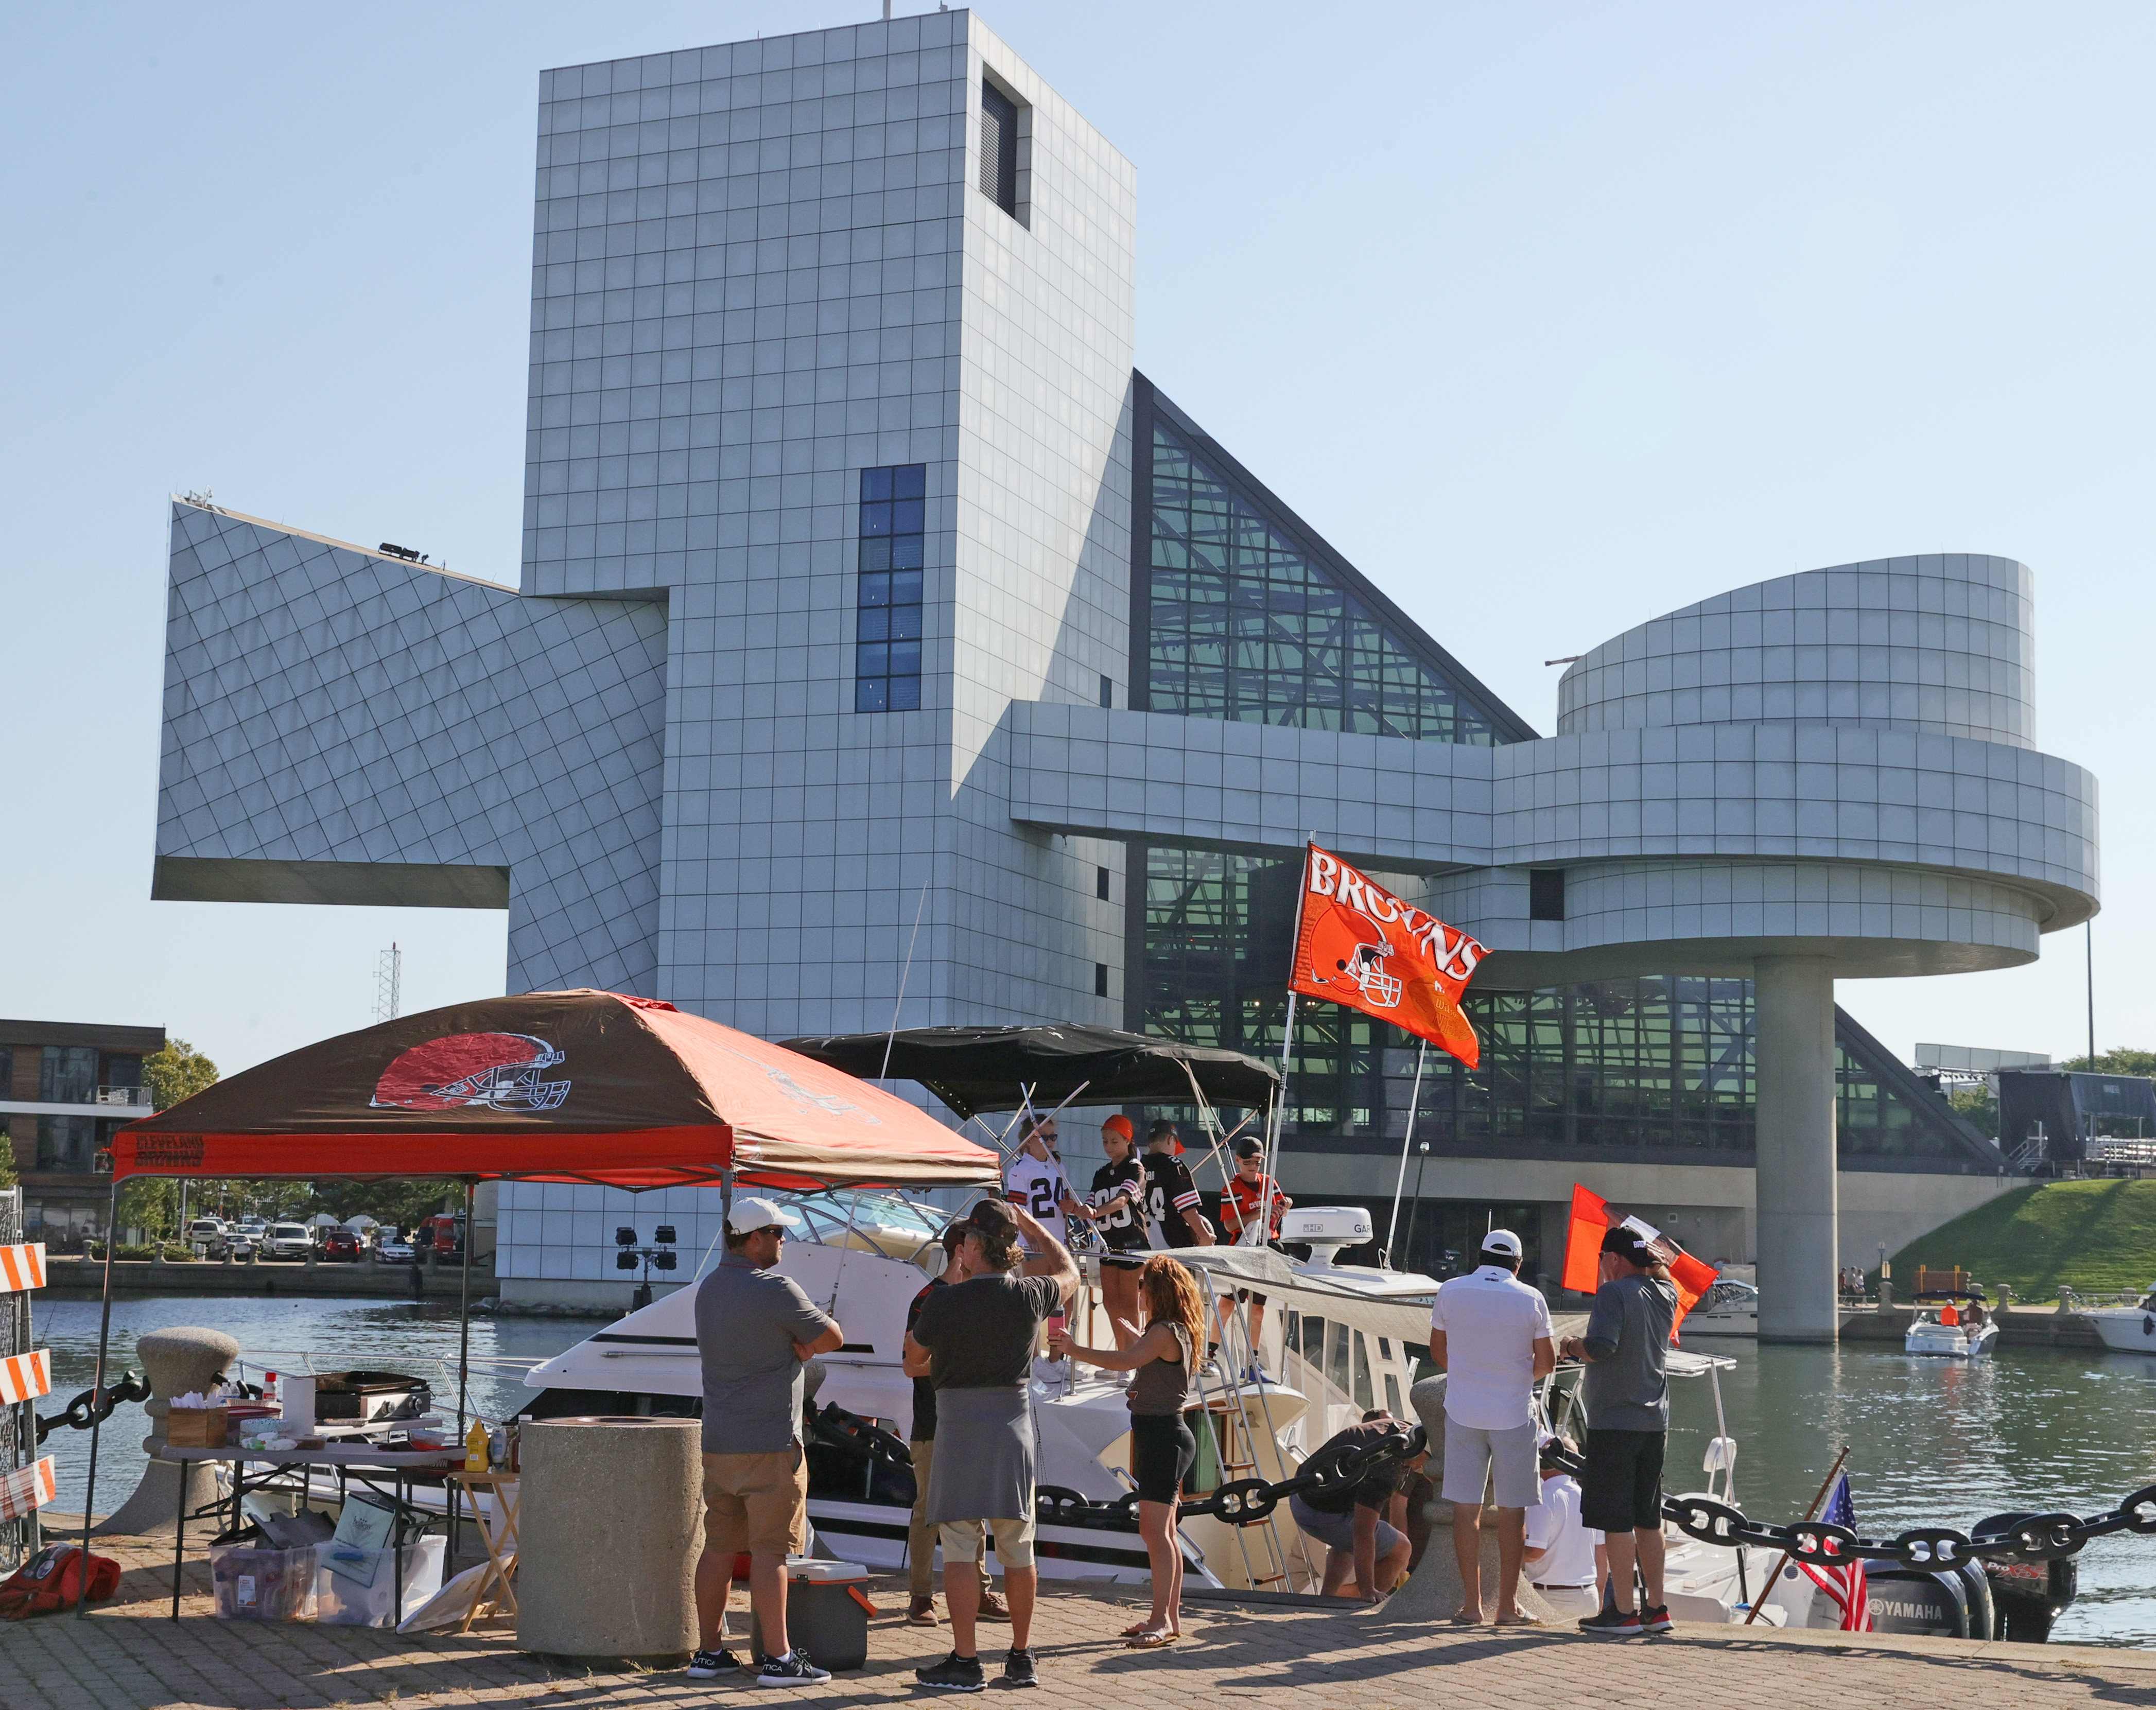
{"type": "Point", "coordinates": [69, 1076]}
{"type": "Point", "coordinates": [1546, 894]}
{"type": "Point", "coordinates": [999, 148]}
{"type": "Point", "coordinates": [64, 1144]}
{"type": "Point", "coordinates": [1107, 692]}
{"type": "Point", "coordinates": [1100, 883]}
{"type": "Point", "coordinates": [1100, 979]}
{"type": "Point", "coordinates": [1246, 624]}
{"type": "Point", "coordinates": [1659, 1063]}
{"type": "Point", "coordinates": [887, 635]}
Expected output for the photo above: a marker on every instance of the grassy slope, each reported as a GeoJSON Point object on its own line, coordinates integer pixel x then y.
{"type": "Point", "coordinates": [2090, 1236]}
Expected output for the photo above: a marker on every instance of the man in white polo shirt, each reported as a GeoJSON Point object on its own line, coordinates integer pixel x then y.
{"type": "Point", "coordinates": [1492, 1335]}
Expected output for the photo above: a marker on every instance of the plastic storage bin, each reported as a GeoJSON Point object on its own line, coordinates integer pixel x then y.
{"type": "Point", "coordinates": [258, 1582]}
{"type": "Point", "coordinates": [827, 1612]}
{"type": "Point", "coordinates": [359, 1593]}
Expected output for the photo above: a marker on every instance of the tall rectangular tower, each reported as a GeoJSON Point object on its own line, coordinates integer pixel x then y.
{"type": "Point", "coordinates": [780, 288]}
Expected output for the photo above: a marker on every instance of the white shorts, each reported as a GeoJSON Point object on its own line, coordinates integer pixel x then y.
{"type": "Point", "coordinates": [1470, 1453]}
{"type": "Point", "coordinates": [962, 1540]}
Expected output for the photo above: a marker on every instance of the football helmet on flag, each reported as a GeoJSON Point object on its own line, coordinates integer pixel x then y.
{"type": "Point", "coordinates": [498, 1070]}
{"type": "Point", "coordinates": [1365, 969]}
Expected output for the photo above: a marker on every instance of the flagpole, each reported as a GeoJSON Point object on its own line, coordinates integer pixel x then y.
{"type": "Point", "coordinates": [1810, 1514]}
{"type": "Point", "coordinates": [1414, 1104]}
{"type": "Point", "coordinates": [1287, 1034]}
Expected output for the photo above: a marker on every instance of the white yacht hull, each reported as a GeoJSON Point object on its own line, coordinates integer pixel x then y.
{"type": "Point", "coordinates": [2129, 1329]}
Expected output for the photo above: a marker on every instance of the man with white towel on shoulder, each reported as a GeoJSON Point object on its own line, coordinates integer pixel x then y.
{"type": "Point", "coordinates": [1491, 1334]}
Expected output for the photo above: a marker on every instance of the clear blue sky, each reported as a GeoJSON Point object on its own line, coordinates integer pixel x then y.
{"type": "Point", "coordinates": [1552, 318]}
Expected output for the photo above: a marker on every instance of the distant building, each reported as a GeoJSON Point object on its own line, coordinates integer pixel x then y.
{"type": "Point", "coordinates": [881, 630]}
{"type": "Point", "coordinates": [64, 1086]}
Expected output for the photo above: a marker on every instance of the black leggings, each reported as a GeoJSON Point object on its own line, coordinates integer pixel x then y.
{"type": "Point", "coordinates": [1162, 1451]}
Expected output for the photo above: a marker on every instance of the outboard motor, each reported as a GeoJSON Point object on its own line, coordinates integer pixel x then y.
{"type": "Point", "coordinates": [1907, 1600]}
{"type": "Point", "coordinates": [2028, 1596]}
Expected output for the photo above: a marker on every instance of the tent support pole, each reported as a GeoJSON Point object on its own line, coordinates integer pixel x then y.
{"type": "Point", "coordinates": [1414, 1104]}
{"type": "Point", "coordinates": [1279, 1101]}
{"type": "Point", "coordinates": [464, 1312]}
{"type": "Point", "coordinates": [97, 1398]}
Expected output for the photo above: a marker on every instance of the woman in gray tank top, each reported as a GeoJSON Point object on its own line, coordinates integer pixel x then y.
{"type": "Point", "coordinates": [1161, 1446]}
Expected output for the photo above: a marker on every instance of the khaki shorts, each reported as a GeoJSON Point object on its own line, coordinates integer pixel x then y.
{"type": "Point", "coordinates": [962, 1540]}
{"type": "Point", "coordinates": [757, 1503]}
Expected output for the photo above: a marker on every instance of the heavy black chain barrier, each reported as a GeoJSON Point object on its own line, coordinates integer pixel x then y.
{"type": "Point", "coordinates": [2033, 1537]}
{"type": "Point", "coordinates": [86, 1411]}
{"type": "Point", "coordinates": [1242, 1501]}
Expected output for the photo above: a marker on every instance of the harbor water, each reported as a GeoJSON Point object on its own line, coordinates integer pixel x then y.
{"type": "Point", "coordinates": [1931, 1441]}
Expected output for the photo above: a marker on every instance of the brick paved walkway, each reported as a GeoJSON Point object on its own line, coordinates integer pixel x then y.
{"type": "Point", "coordinates": [127, 1656]}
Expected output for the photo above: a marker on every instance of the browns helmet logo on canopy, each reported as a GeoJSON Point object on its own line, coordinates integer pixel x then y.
{"type": "Point", "coordinates": [498, 1070]}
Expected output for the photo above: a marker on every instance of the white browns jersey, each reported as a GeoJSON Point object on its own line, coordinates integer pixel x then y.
{"type": "Point", "coordinates": [1040, 1186]}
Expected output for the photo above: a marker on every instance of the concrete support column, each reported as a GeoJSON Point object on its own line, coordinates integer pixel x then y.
{"type": "Point", "coordinates": [1792, 1047]}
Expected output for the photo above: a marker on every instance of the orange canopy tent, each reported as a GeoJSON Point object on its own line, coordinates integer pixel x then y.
{"type": "Point", "coordinates": [552, 1087]}
{"type": "Point", "coordinates": [563, 1086]}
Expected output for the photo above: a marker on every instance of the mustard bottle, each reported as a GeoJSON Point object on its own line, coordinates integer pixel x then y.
{"type": "Point", "coordinates": [475, 1447]}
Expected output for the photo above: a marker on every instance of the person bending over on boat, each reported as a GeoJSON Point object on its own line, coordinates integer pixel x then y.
{"type": "Point", "coordinates": [1253, 1201]}
{"type": "Point", "coordinates": [1350, 1521]}
{"type": "Point", "coordinates": [754, 1329]}
{"type": "Point", "coordinates": [1626, 1392]}
{"type": "Point", "coordinates": [920, 1535]}
{"type": "Point", "coordinates": [1164, 1356]}
{"type": "Point", "coordinates": [975, 1342]}
{"type": "Point", "coordinates": [1034, 1179]}
{"type": "Point", "coordinates": [1561, 1554]}
{"type": "Point", "coordinates": [1491, 1334]}
{"type": "Point", "coordinates": [1117, 1210]}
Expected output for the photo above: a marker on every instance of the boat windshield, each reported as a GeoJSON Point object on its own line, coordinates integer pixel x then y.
{"type": "Point", "coordinates": [827, 1218]}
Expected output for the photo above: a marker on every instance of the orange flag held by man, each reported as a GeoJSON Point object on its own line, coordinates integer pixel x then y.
{"type": "Point", "coordinates": [1591, 1221]}
{"type": "Point", "coordinates": [1359, 945]}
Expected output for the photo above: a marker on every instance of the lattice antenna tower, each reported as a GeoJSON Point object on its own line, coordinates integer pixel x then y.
{"type": "Point", "coordinates": [388, 983]}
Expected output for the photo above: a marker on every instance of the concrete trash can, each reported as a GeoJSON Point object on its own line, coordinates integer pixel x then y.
{"type": "Point", "coordinates": [609, 1527]}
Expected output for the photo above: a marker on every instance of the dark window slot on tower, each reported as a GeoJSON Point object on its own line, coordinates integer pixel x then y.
{"type": "Point", "coordinates": [887, 630]}
{"type": "Point", "coordinates": [1100, 979]}
{"type": "Point", "coordinates": [999, 148]}
{"type": "Point", "coordinates": [1107, 692]}
{"type": "Point", "coordinates": [1100, 883]}
{"type": "Point", "coordinates": [1546, 894]}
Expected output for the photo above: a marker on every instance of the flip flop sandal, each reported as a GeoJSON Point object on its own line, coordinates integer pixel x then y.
{"type": "Point", "coordinates": [1521, 1620]}
{"type": "Point", "coordinates": [1148, 1641]}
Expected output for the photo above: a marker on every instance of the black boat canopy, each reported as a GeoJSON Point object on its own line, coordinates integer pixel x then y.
{"type": "Point", "coordinates": [975, 1069]}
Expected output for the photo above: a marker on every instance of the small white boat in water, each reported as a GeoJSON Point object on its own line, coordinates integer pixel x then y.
{"type": "Point", "coordinates": [1929, 1334]}
{"type": "Point", "coordinates": [2129, 1329]}
{"type": "Point", "coordinates": [1729, 1308]}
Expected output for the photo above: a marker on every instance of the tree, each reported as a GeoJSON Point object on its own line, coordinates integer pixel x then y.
{"type": "Point", "coordinates": [177, 1072]}
{"type": "Point", "coordinates": [1978, 1106]}
{"type": "Point", "coordinates": [2119, 1060]}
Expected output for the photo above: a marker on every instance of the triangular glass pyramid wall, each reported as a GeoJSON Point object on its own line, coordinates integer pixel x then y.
{"type": "Point", "coordinates": [1248, 615]}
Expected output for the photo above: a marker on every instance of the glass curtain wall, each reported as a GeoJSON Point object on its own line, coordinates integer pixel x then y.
{"type": "Point", "coordinates": [1656, 1062]}
{"type": "Point", "coordinates": [1244, 626]}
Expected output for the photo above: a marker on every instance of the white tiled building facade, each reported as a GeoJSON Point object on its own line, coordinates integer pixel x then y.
{"type": "Point", "coordinates": [755, 710]}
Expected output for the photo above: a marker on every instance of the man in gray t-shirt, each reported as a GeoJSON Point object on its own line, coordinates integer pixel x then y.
{"type": "Point", "coordinates": [1626, 1392]}
{"type": "Point", "coordinates": [754, 1328]}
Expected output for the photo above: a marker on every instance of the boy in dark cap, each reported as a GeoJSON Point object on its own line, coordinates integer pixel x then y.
{"type": "Point", "coordinates": [1626, 1392]}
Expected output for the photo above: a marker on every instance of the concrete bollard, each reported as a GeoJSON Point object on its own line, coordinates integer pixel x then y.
{"type": "Point", "coordinates": [1886, 1307]}
{"type": "Point", "coordinates": [175, 1362]}
{"type": "Point", "coordinates": [610, 1527]}
{"type": "Point", "coordinates": [2005, 1297]}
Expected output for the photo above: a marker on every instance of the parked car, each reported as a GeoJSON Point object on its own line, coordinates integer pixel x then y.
{"type": "Point", "coordinates": [392, 1249]}
{"type": "Point", "coordinates": [207, 1234]}
{"type": "Point", "coordinates": [289, 1240]}
{"type": "Point", "coordinates": [339, 1247]}
{"type": "Point", "coordinates": [443, 1237]}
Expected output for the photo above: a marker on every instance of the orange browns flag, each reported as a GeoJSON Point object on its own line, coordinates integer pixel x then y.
{"type": "Point", "coordinates": [1359, 945]}
{"type": "Point", "coordinates": [1591, 1221]}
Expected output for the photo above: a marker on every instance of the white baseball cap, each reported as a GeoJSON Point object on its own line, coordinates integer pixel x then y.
{"type": "Point", "coordinates": [748, 1215]}
{"type": "Point", "coordinates": [1501, 1241]}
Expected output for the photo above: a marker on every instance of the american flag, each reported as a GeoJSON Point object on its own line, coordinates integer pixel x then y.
{"type": "Point", "coordinates": [1845, 1584]}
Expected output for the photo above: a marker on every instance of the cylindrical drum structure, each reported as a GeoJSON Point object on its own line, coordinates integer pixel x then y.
{"type": "Point", "coordinates": [609, 1526]}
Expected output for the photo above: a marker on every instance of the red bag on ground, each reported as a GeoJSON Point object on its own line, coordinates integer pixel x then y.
{"type": "Point", "coordinates": [52, 1580]}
